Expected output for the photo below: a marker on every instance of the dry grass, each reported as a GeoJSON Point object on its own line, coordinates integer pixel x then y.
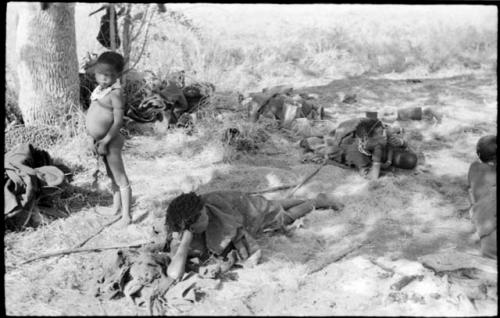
{"type": "Point", "coordinates": [403, 215]}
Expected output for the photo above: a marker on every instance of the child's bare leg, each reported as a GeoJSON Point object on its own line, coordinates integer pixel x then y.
{"type": "Point", "coordinates": [115, 189]}
{"type": "Point", "coordinates": [297, 208]}
{"type": "Point", "coordinates": [298, 211]}
{"type": "Point", "coordinates": [115, 161]}
{"type": "Point", "coordinates": [288, 203]}
{"type": "Point", "coordinates": [324, 201]}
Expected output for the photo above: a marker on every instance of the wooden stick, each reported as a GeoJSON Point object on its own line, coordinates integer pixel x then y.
{"type": "Point", "coordinates": [99, 231]}
{"type": "Point", "coordinates": [335, 258]}
{"type": "Point", "coordinates": [83, 250]}
{"type": "Point", "coordinates": [273, 189]}
{"type": "Point", "coordinates": [307, 179]}
{"type": "Point", "coordinates": [403, 282]}
{"type": "Point", "coordinates": [112, 31]}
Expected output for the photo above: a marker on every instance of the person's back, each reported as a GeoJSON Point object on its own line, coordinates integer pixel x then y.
{"type": "Point", "coordinates": [481, 178]}
{"type": "Point", "coordinates": [482, 181]}
{"type": "Point", "coordinates": [242, 208]}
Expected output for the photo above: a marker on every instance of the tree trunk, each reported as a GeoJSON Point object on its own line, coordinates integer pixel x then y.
{"type": "Point", "coordinates": [126, 40]}
{"type": "Point", "coordinates": [47, 62]}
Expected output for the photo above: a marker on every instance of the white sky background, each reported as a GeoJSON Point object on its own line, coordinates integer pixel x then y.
{"type": "Point", "coordinates": [232, 19]}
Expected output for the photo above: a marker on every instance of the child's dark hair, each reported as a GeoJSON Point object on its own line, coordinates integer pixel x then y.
{"type": "Point", "coordinates": [183, 211]}
{"type": "Point", "coordinates": [113, 59]}
{"type": "Point", "coordinates": [486, 148]}
{"type": "Point", "coordinates": [367, 127]}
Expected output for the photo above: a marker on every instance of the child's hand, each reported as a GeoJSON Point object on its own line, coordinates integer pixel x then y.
{"type": "Point", "coordinates": [101, 148]}
{"type": "Point", "coordinates": [386, 164]}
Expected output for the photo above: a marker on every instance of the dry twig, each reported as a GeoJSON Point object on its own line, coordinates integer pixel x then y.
{"type": "Point", "coordinates": [83, 250]}
{"type": "Point", "coordinates": [97, 233]}
{"type": "Point", "coordinates": [335, 258]}
{"type": "Point", "coordinates": [273, 189]}
{"type": "Point", "coordinates": [307, 179]}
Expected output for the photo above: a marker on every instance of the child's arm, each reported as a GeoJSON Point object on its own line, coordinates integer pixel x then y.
{"type": "Point", "coordinates": [376, 162]}
{"type": "Point", "coordinates": [176, 268]}
{"type": "Point", "coordinates": [118, 112]}
{"type": "Point", "coordinates": [388, 162]}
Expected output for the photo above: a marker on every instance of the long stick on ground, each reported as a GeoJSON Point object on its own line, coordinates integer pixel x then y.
{"type": "Point", "coordinates": [273, 189]}
{"type": "Point", "coordinates": [307, 179]}
{"type": "Point", "coordinates": [97, 233]}
{"type": "Point", "coordinates": [84, 250]}
{"type": "Point", "coordinates": [335, 258]}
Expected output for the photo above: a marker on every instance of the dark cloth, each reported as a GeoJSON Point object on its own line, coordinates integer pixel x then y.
{"type": "Point", "coordinates": [140, 275]}
{"type": "Point", "coordinates": [151, 109]}
{"type": "Point", "coordinates": [126, 267]}
{"type": "Point", "coordinates": [197, 93]}
{"type": "Point", "coordinates": [87, 86]}
{"type": "Point", "coordinates": [176, 102]}
{"type": "Point", "coordinates": [230, 212]}
{"type": "Point", "coordinates": [21, 178]}
{"type": "Point", "coordinates": [104, 35]}
{"type": "Point", "coordinates": [171, 103]}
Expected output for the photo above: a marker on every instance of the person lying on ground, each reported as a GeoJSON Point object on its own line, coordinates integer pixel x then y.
{"type": "Point", "coordinates": [367, 144]}
{"type": "Point", "coordinates": [390, 114]}
{"type": "Point", "coordinates": [482, 183]}
{"type": "Point", "coordinates": [104, 121]}
{"type": "Point", "coordinates": [280, 103]}
{"type": "Point", "coordinates": [221, 222]}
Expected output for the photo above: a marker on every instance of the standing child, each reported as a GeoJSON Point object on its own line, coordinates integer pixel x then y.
{"type": "Point", "coordinates": [104, 120]}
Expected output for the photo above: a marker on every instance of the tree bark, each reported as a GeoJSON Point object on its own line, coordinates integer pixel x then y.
{"type": "Point", "coordinates": [47, 62]}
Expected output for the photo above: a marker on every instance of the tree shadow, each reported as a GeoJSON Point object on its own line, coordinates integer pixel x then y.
{"type": "Point", "coordinates": [58, 203]}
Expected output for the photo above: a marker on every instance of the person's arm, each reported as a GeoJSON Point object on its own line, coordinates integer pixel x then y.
{"type": "Point", "coordinates": [176, 268]}
{"type": "Point", "coordinates": [246, 245]}
{"type": "Point", "coordinates": [376, 159]}
{"type": "Point", "coordinates": [118, 112]}
{"type": "Point", "coordinates": [388, 162]}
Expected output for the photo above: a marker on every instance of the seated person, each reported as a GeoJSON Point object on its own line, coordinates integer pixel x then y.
{"type": "Point", "coordinates": [220, 222]}
{"type": "Point", "coordinates": [368, 143]}
{"type": "Point", "coordinates": [482, 194]}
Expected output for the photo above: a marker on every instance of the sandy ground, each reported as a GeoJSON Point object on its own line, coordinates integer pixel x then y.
{"type": "Point", "coordinates": [398, 218]}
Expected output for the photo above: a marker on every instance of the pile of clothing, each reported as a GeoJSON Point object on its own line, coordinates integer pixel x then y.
{"type": "Point", "coordinates": [140, 276]}
{"type": "Point", "coordinates": [169, 100]}
{"type": "Point", "coordinates": [283, 104]}
{"type": "Point", "coordinates": [28, 176]}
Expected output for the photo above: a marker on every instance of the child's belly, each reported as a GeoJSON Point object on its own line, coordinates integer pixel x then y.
{"type": "Point", "coordinates": [99, 120]}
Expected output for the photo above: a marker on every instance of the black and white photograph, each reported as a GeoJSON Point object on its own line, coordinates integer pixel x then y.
{"type": "Point", "coordinates": [250, 159]}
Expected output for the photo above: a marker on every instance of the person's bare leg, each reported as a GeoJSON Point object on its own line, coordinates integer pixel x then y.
{"type": "Point", "coordinates": [297, 208]}
{"type": "Point", "coordinates": [288, 203]}
{"type": "Point", "coordinates": [115, 189]}
{"type": "Point", "coordinates": [298, 211]}
{"type": "Point", "coordinates": [117, 168]}
{"type": "Point", "coordinates": [324, 201]}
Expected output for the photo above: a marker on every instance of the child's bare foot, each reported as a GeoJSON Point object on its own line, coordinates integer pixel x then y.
{"type": "Point", "coordinates": [108, 211]}
{"type": "Point", "coordinates": [324, 201]}
{"type": "Point", "coordinates": [124, 222]}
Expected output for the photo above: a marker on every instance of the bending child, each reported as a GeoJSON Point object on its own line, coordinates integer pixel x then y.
{"type": "Point", "coordinates": [218, 223]}
{"type": "Point", "coordinates": [104, 120]}
{"type": "Point", "coordinates": [369, 145]}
